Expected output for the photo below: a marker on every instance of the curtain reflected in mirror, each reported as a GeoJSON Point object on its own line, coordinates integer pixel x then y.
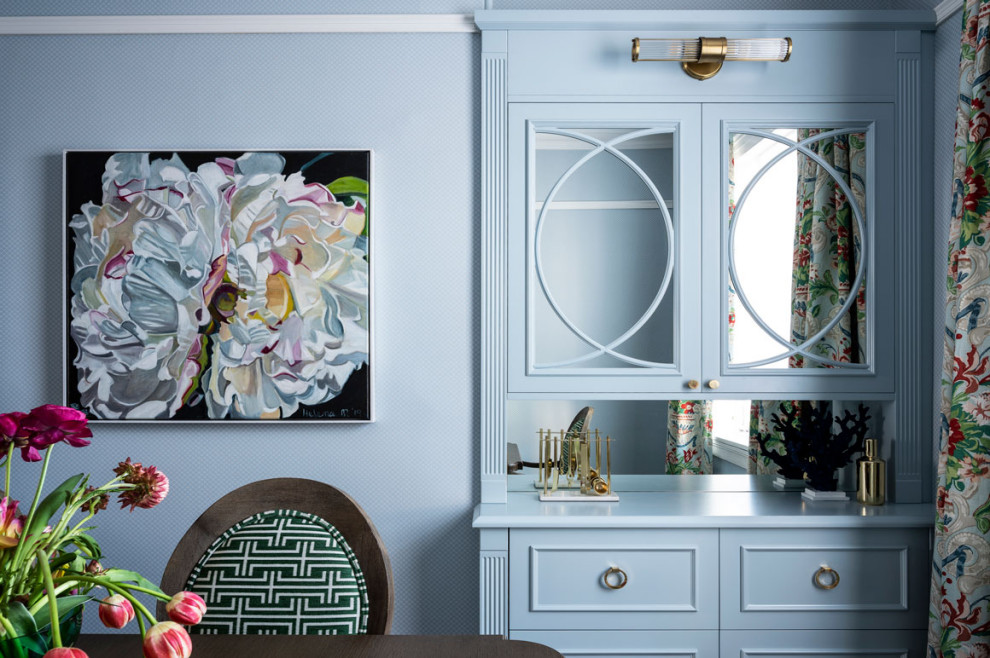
{"type": "Point", "coordinates": [654, 438]}
{"type": "Point", "coordinates": [796, 273]}
{"type": "Point", "coordinates": [797, 257]}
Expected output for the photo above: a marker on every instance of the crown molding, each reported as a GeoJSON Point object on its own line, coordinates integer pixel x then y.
{"type": "Point", "coordinates": [691, 19]}
{"type": "Point", "coordinates": [237, 24]}
{"type": "Point", "coordinates": [946, 9]}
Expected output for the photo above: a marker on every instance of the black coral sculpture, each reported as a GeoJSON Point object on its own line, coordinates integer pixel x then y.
{"type": "Point", "coordinates": [812, 449]}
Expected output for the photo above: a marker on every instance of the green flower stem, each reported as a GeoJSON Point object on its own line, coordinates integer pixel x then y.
{"type": "Point", "coordinates": [6, 493]}
{"type": "Point", "coordinates": [71, 506]}
{"type": "Point", "coordinates": [129, 587]}
{"type": "Point", "coordinates": [78, 500]}
{"type": "Point", "coordinates": [37, 492]}
{"type": "Point", "coordinates": [138, 606]}
{"type": "Point", "coordinates": [52, 603]}
{"type": "Point", "coordinates": [11, 634]}
{"type": "Point", "coordinates": [125, 591]}
{"type": "Point", "coordinates": [7, 627]}
{"type": "Point", "coordinates": [43, 600]}
{"type": "Point", "coordinates": [19, 551]}
{"type": "Point", "coordinates": [6, 476]}
{"type": "Point", "coordinates": [79, 526]}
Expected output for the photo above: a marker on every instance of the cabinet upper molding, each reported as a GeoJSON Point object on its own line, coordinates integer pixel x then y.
{"type": "Point", "coordinates": [673, 20]}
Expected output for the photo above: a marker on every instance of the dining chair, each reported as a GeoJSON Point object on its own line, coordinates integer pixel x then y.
{"type": "Point", "coordinates": [285, 556]}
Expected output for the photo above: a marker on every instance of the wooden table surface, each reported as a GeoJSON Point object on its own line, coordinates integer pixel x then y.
{"type": "Point", "coordinates": [326, 646]}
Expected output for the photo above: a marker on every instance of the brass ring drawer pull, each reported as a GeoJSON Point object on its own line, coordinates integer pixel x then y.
{"type": "Point", "coordinates": [833, 581]}
{"type": "Point", "coordinates": [623, 578]}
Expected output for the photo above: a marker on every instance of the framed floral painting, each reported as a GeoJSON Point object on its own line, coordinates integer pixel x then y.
{"type": "Point", "coordinates": [218, 285]}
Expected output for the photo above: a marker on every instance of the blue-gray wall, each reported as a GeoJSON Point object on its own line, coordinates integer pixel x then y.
{"type": "Point", "coordinates": [411, 98]}
{"type": "Point", "coordinates": [947, 42]}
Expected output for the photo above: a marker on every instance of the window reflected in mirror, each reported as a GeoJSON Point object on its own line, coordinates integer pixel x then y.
{"type": "Point", "coordinates": [797, 294]}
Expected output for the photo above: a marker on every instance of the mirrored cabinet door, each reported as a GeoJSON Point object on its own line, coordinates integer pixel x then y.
{"type": "Point", "coordinates": [604, 247]}
{"type": "Point", "coordinates": [804, 243]}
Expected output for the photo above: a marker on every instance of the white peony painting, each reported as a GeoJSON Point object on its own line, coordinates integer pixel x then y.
{"type": "Point", "coordinates": [225, 285]}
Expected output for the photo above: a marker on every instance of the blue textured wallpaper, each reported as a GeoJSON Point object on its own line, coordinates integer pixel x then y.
{"type": "Point", "coordinates": [410, 98]}
{"type": "Point", "coordinates": [947, 42]}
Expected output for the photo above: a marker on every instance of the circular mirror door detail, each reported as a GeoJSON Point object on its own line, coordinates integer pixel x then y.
{"type": "Point", "coordinates": [602, 247]}
{"type": "Point", "coordinates": [797, 248]}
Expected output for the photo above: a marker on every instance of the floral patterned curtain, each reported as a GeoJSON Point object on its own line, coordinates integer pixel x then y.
{"type": "Point", "coordinates": [689, 437]}
{"type": "Point", "coordinates": [760, 422]}
{"type": "Point", "coordinates": [826, 244]}
{"type": "Point", "coordinates": [959, 616]}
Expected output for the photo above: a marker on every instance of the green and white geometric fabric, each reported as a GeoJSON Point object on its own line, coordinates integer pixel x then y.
{"type": "Point", "coordinates": [281, 572]}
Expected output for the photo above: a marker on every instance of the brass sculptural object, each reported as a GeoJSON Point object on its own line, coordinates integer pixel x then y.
{"type": "Point", "coordinates": [572, 466]}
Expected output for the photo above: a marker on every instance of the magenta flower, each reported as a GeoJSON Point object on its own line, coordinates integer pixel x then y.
{"type": "Point", "coordinates": [186, 608]}
{"type": "Point", "coordinates": [150, 485]}
{"type": "Point", "coordinates": [116, 611]}
{"type": "Point", "coordinates": [11, 523]}
{"type": "Point", "coordinates": [166, 639]}
{"type": "Point", "coordinates": [12, 430]}
{"type": "Point", "coordinates": [10, 427]}
{"type": "Point", "coordinates": [51, 423]}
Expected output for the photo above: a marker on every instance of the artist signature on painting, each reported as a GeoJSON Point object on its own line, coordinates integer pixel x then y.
{"type": "Point", "coordinates": [339, 413]}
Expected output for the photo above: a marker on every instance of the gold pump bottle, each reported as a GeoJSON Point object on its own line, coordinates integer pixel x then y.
{"type": "Point", "coordinates": [871, 476]}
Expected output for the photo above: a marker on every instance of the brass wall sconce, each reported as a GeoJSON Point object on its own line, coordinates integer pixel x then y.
{"type": "Point", "coordinates": [702, 58]}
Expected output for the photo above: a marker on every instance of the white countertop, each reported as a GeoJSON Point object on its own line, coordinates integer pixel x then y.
{"type": "Point", "coordinates": [699, 509]}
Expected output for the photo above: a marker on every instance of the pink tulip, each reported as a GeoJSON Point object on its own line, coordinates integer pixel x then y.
{"type": "Point", "coordinates": [186, 608]}
{"type": "Point", "coordinates": [166, 639]}
{"type": "Point", "coordinates": [11, 523]}
{"type": "Point", "coordinates": [116, 611]}
{"type": "Point", "coordinates": [65, 652]}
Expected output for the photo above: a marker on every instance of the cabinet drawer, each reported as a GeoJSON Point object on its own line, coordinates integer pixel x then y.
{"type": "Point", "coordinates": [822, 644]}
{"type": "Point", "coordinates": [782, 578]}
{"type": "Point", "coordinates": [556, 579]}
{"type": "Point", "coordinates": [626, 644]}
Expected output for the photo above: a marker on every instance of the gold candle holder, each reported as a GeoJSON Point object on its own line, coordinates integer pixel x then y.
{"type": "Point", "coordinates": [574, 460]}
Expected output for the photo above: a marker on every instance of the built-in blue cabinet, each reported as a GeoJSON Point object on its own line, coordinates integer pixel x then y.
{"type": "Point", "coordinates": [604, 247]}
{"type": "Point", "coordinates": [646, 236]}
{"type": "Point", "coordinates": [651, 249]}
{"type": "Point", "coordinates": [766, 331]}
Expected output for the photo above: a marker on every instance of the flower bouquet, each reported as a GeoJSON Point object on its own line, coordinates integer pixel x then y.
{"type": "Point", "coordinates": [50, 564]}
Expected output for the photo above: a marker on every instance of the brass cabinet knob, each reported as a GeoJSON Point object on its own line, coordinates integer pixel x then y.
{"type": "Point", "coordinates": [620, 581]}
{"type": "Point", "coordinates": [830, 573]}
{"type": "Point", "coordinates": [713, 384]}
{"type": "Point", "coordinates": [693, 384]}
